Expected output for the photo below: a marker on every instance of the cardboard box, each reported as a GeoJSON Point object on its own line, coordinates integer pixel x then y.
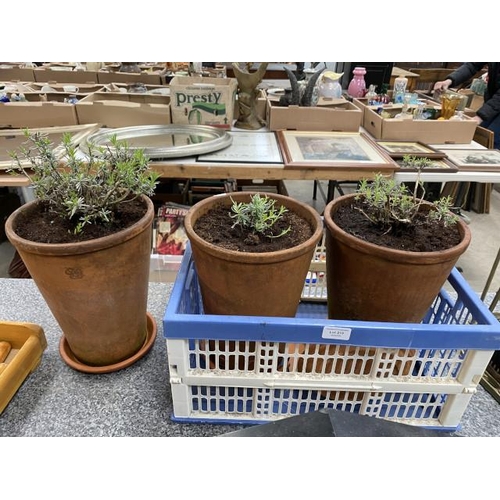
{"type": "Point", "coordinates": [129, 88]}
{"type": "Point", "coordinates": [83, 88]}
{"type": "Point", "coordinates": [13, 73]}
{"type": "Point", "coordinates": [426, 131]}
{"type": "Point", "coordinates": [203, 101]}
{"type": "Point", "coordinates": [155, 77]}
{"type": "Point", "coordinates": [124, 110]}
{"type": "Point", "coordinates": [48, 74]}
{"type": "Point", "coordinates": [339, 116]}
{"type": "Point", "coordinates": [17, 87]}
{"type": "Point", "coordinates": [35, 113]}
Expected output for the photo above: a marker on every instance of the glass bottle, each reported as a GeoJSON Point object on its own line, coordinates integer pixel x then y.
{"type": "Point", "coordinates": [418, 114]}
{"type": "Point", "coordinates": [357, 86]}
{"type": "Point", "coordinates": [400, 84]}
{"type": "Point", "coordinates": [405, 112]}
{"type": "Point", "coordinates": [372, 96]}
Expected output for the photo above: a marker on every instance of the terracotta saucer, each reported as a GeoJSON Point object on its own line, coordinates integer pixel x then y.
{"type": "Point", "coordinates": [70, 359]}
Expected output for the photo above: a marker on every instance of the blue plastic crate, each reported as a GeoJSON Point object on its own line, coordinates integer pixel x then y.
{"type": "Point", "coordinates": [247, 369]}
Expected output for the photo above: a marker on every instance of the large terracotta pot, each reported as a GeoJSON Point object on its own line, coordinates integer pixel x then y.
{"type": "Point", "coordinates": [251, 284]}
{"type": "Point", "coordinates": [367, 282]}
{"type": "Point", "coordinates": [97, 291]}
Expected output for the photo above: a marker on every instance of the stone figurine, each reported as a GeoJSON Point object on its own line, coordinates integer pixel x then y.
{"type": "Point", "coordinates": [247, 95]}
{"type": "Point", "coordinates": [301, 95]}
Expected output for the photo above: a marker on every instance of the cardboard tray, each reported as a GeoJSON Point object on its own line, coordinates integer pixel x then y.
{"type": "Point", "coordinates": [47, 74]}
{"type": "Point", "coordinates": [341, 116]}
{"type": "Point", "coordinates": [28, 343]}
{"type": "Point", "coordinates": [116, 110]}
{"type": "Point", "coordinates": [426, 131]}
{"type": "Point", "coordinates": [145, 77]}
{"type": "Point", "coordinates": [35, 113]}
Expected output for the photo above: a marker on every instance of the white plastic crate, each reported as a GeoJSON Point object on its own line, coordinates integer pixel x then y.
{"type": "Point", "coordinates": [243, 369]}
{"type": "Point", "coordinates": [315, 285]}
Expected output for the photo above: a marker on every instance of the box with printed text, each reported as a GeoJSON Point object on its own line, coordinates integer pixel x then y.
{"type": "Point", "coordinates": [203, 101]}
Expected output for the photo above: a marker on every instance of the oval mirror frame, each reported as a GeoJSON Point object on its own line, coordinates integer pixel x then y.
{"type": "Point", "coordinates": [192, 140]}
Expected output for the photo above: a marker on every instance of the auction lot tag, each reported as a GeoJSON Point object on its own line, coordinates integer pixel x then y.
{"type": "Point", "coordinates": [333, 333]}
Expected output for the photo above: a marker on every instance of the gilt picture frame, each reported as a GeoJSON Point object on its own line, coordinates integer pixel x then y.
{"type": "Point", "coordinates": [318, 149]}
{"type": "Point", "coordinates": [398, 149]}
{"type": "Point", "coordinates": [473, 160]}
{"type": "Point", "coordinates": [437, 165]}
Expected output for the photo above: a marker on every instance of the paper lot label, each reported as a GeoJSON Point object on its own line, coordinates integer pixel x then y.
{"type": "Point", "coordinates": [335, 333]}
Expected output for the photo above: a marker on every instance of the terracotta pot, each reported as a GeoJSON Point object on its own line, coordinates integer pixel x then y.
{"type": "Point", "coordinates": [251, 284]}
{"type": "Point", "coordinates": [97, 290]}
{"type": "Point", "coordinates": [373, 283]}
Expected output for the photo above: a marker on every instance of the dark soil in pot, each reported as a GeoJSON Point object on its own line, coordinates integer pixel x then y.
{"type": "Point", "coordinates": [422, 236]}
{"type": "Point", "coordinates": [43, 226]}
{"type": "Point", "coordinates": [215, 227]}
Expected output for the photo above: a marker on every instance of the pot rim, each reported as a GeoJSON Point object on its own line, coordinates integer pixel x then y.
{"type": "Point", "coordinates": [76, 247]}
{"type": "Point", "coordinates": [380, 251]}
{"type": "Point", "coordinates": [204, 205]}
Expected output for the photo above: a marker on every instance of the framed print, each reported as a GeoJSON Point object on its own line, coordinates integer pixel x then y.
{"type": "Point", "coordinates": [486, 160]}
{"type": "Point", "coordinates": [302, 149]}
{"type": "Point", "coordinates": [437, 165]}
{"type": "Point", "coordinates": [398, 149]}
{"type": "Point", "coordinates": [247, 147]}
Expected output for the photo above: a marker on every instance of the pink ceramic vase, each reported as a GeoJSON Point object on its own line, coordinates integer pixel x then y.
{"type": "Point", "coordinates": [357, 86]}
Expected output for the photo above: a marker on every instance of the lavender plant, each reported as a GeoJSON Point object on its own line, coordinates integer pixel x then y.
{"type": "Point", "coordinates": [390, 204]}
{"type": "Point", "coordinates": [84, 190]}
{"type": "Point", "coordinates": [259, 215]}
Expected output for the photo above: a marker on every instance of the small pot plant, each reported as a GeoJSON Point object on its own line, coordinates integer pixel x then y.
{"type": "Point", "coordinates": [389, 252]}
{"type": "Point", "coordinates": [86, 241]}
{"type": "Point", "coordinates": [247, 246]}
{"type": "Point", "coordinates": [253, 226]}
{"type": "Point", "coordinates": [251, 252]}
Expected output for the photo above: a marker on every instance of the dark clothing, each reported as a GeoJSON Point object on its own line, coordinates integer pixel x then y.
{"type": "Point", "coordinates": [491, 107]}
{"type": "Point", "coordinates": [489, 112]}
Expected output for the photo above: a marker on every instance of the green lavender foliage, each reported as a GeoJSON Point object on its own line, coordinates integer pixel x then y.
{"type": "Point", "coordinates": [259, 215]}
{"type": "Point", "coordinates": [88, 190]}
{"type": "Point", "coordinates": [390, 204]}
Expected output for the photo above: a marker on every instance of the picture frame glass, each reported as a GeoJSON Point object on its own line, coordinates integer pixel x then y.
{"type": "Point", "coordinates": [436, 165]}
{"type": "Point", "coordinates": [330, 148]}
{"type": "Point", "coordinates": [413, 148]}
{"type": "Point", "coordinates": [475, 157]}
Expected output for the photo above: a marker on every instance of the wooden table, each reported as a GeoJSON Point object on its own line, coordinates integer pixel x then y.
{"type": "Point", "coordinates": [189, 168]}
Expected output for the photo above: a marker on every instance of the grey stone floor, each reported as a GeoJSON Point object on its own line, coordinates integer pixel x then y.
{"type": "Point", "coordinates": [56, 400]}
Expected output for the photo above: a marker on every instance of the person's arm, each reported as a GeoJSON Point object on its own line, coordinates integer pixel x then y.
{"type": "Point", "coordinates": [491, 108]}
{"type": "Point", "coordinates": [443, 85]}
{"type": "Point", "coordinates": [460, 75]}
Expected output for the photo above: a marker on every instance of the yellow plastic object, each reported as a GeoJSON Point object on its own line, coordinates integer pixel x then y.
{"type": "Point", "coordinates": [27, 342]}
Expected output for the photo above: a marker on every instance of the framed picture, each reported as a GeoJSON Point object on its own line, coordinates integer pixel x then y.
{"type": "Point", "coordinates": [302, 149]}
{"type": "Point", "coordinates": [486, 160]}
{"type": "Point", "coordinates": [247, 147]}
{"type": "Point", "coordinates": [437, 165]}
{"type": "Point", "coordinates": [398, 149]}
